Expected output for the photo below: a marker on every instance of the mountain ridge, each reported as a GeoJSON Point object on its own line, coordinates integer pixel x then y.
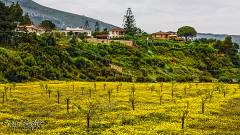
{"type": "Point", "coordinates": [236, 38]}
{"type": "Point", "coordinates": [62, 19]}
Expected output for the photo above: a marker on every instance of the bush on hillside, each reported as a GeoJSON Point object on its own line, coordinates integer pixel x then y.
{"type": "Point", "coordinates": [145, 79]}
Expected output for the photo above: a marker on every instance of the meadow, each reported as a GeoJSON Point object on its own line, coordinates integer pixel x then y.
{"type": "Point", "coordinates": [57, 107]}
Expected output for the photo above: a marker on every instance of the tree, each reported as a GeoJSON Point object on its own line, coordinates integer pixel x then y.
{"type": "Point", "coordinates": [86, 25]}
{"type": "Point", "coordinates": [227, 44]}
{"type": "Point", "coordinates": [105, 30]}
{"type": "Point", "coordinates": [231, 49]}
{"type": "Point", "coordinates": [82, 35]}
{"type": "Point", "coordinates": [48, 25]}
{"type": "Point", "coordinates": [129, 23]}
{"type": "Point", "coordinates": [16, 12]}
{"type": "Point", "coordinates": [186, 32]}
{"type": "Point", "coordinates": [26, 20]}
{"type": "Point", "coordinates": [7, 22]}
{"type": "Point", "coordinates": [97, 27]}
{"type": "Point", "coordinates": [73, 40]}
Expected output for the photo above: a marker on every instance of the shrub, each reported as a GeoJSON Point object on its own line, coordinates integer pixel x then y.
{"type": "Point", "coordinates": [144, 79]}
{"type": "Point", "coordinates": [82, 62]}
{"type": "Point", "coordinates": [123, 78]}
{"type": "Point", "coordinates": [126, 120]}
{"type": "Point", "coordinates": [2, 79]}
{"type": "Point", "coordinates": [163, 78]}
{"type": "Point", "coordinates": [225, 79]}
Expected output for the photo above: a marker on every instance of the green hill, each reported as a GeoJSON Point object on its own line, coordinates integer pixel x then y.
{"type": "Point", "coordinates": [56, 57]}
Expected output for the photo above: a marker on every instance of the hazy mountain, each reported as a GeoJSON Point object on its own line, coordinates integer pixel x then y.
{"type": "Point", "coordinates": [236, 38]}
{"type": "Point", "coordinates": [62, 19]}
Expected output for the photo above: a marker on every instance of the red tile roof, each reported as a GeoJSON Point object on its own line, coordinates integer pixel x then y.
{"type": "Point", "coordinates": [117, 29]}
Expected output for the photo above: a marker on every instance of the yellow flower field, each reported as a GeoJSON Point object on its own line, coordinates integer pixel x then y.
{"type": "Point", "coordinates": [57, 107]}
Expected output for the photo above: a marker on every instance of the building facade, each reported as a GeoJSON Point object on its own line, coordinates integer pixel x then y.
{"type": "Point", "coordinates": [164, 35]}
{"type": "Point", "coordinates": [77, 31]}
{"type": "Point", "coordinates": [31, 29]}
{"type": "Point", "coordinates": [113, 33]}
{"type": "Point", "coordinates": [116, 33]}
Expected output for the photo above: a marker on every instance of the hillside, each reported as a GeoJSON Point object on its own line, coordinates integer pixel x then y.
{"type": "Point", "coordinates": [62, 19]}
{"type": "Point", "coordinates": [57, 57]}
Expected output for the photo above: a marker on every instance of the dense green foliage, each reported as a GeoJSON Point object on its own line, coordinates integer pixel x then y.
{"type": "Point", "coordinates": [94, 34]}
{"type": "Point", "coordinates": [6, 18]}
{"type": "Point", "coordinates": [48, 25]}
{"type": "Point", "coordinates": [58, 57]}
{"type": "Point", "coordinates": [10, 16]}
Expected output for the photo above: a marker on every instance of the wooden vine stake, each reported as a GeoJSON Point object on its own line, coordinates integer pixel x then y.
{"type": "Point", "coordinates": [82, 89]}
{"type": "Point", "coordinates": [109, 96]}
{"type": "Point", "coordinates": [67, 104]}
{"type": "Point", "coordinates": [172, 89]}
{"type": "Point", "coordinates": [132, 98]}
{"type": "Point", "coordinates": [3, 96]}
{"type": "Point", "coordinates": [184, 115]}
{"type": "Point", "coordinates": [58, 96]}
{"type": "Point", "coordinates": [203, 105]}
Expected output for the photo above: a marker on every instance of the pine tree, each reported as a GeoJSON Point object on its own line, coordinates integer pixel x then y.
{"type": "Point", "coordinates": [16, 12]}
{"type": "Point", "coordinates": [129, 23]}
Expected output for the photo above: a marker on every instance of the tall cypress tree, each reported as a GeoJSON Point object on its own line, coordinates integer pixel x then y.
{"type": "Point", "coordinates": [16, 12]}
{"type": "Point", "coordinates": [7, 21]}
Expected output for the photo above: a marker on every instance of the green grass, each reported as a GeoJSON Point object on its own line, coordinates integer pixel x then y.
{"type": "Point", "coordinates": [29, 110]}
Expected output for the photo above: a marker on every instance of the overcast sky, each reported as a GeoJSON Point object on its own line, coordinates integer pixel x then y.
{"type": "Point", "coordinates": [211, 16]}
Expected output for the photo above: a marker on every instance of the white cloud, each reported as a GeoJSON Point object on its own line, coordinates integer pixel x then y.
{"type": "Point", "coordinates": [216, 16]}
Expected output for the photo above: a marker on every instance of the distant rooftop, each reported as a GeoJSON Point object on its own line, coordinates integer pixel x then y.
{"type": "Point", "coordinates": [165, 33]}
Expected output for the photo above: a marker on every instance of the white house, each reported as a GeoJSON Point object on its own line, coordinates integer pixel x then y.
{"type": "Point", "coordinates": [113, 33]}
{"type": "Point", "coordinates": [116, 33]}
{"type": "Point", "coordinates": [78, 30]}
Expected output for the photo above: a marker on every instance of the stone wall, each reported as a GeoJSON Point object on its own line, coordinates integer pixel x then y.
{"type": "Point", "coordinates": [108, 41]}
